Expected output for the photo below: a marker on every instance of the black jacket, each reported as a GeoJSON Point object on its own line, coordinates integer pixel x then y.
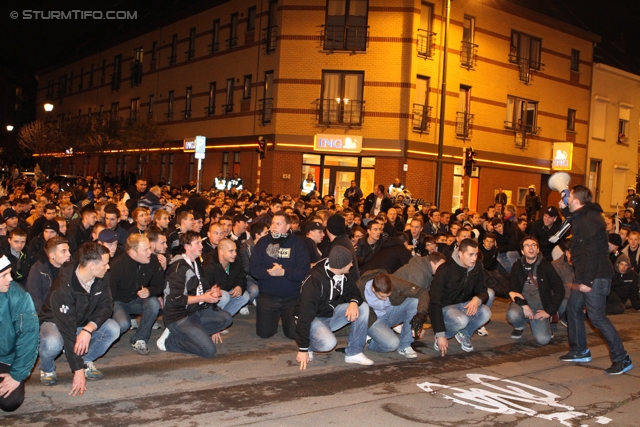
{"type": "Point", "coordinates": [549, 282]}
{"type": "Point", "coordinates": [318, 298]}
{"type": "Point", "coordinates": [129, 276]}
{"type": "Point", "coordinates": [454, 284]}
{"type": "Point", "coordinates": [543, 233]}
{"type": "Point", "coordinates": [589, 244]}
{"type": "Point", "coordinates": [215, 274]}
{"type": "Point", "coordinates": [69, 307]}
{"type": "Point", "coordinates": [181, 282]}
{"type": "Point", "coordinates": [392, 255]}
{"type": "Point", "coordinates": [41, 277]}
{"type": "Point", "coordinates": [370, 202]}
{"type": "Point", "coordinates": [20, 266]}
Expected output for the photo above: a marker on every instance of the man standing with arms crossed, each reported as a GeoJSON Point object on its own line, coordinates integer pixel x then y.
{"type": "Point", "coordinates": [589, 250]}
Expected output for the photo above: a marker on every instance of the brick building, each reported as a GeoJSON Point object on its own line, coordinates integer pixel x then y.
{"type": "Point", "coordinates": [346, 89]}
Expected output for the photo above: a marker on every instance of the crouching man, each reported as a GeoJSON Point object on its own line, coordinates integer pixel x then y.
{"type": "Point", "coordinates": [192, 325]}
{"type": "Point", "coordinates": [328, 301]}
{"type": "Point", "coordinates": [393, 301]}
{"type": "Point", "coordinates": [76, 317]}
{"type": "Point", "coordinates": [458, 294]}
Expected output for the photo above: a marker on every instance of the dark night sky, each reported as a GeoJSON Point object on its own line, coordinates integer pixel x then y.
{"type": "Point", "coordinates": [35, 44]}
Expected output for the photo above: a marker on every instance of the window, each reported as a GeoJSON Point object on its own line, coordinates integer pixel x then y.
{"type": "Point", "coordinates": [571, 120]}
{"type": "Point", "coordinates": [174, 49]}
{"type": "Point", "coordinates": [233, 31]}
{"type": "Point", "coordinates": [151, 106]}
{"type": "Point", "coordinates": [341, 102]}
{"type": "Point", "coordinates": [522, 115]}
{"type": "Point", "coordinates": [623, 123]}
{"type": "Point", "coordinates": [211, 103]}
{"type": "Point", "coordinates": [115, 106]}
{"type": "Point", "coordinates": [464, 118]}
{"type": "Point", "coordinates": [215, 39]}
{"type": "Point", "coordinates": [192, 43]}
{"type": "Point", "coordinates": [272, 26]}
{"type": "Point", "coordinates": [426, 36]}
{"type": "Point", "coordinates": [599, 118]}
{"type": "Point", "coordinates": [346, 25]}
{"type": "Point", "coordinates": [104, 71]}
{"type": "Point", "coordinates": [251, 18]}
{"type": "Point", "coordinates": [81, 79]}
{"type": "Point", "coordinates": [136, 67]}
{"type": "Point", "coordinates": [525, 51]}
{"type": "Point", "coordinates": [133, 111]}
{"type": "Point", "coordinates": [421, 109]}
{"type": "Point", "coordinates": [267, 97]}
{"type": "Point", "coordinates": [187, 103]}
{"type": "Point", "coordinates": [117, 72]}
{"type": "Point", "coordinates": [468, 50]}
{"type": "Point", "coordinates": [246, 88]}
{"type": "Point", "coordinates": [228, 107]}
{"type": "Point", "coordinates": [70, 81]}
{"type": "Point", "coordinates": [154, 50]}
{"type": "Point", "coordinates": [90, 83]}
{"type": "Point", "coordinates": [575, 60]}
{"type": "Point", "coordinates": [62, 85]}
{"type": "Point", "coordinates": [170, 100]}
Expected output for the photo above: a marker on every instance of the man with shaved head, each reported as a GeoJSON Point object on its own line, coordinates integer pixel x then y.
{"type": "Point", "coordinates": [223, 268]}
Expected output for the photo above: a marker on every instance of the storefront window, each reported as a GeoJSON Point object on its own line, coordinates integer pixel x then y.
{"type": "Point", "coordinates": [368, 162]}
{"type": "Point", "coordinates": [311, 159]}
{"type": "Point", "coordinates": [351, 162]}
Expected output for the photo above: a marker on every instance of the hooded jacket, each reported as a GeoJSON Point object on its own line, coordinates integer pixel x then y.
{"type": "Point", "coordinates": [454, 284]}
{"type": "Point", "coordinates": [549, 282]}
{"type": "Point", "coordinates": [624, 282]}
{"type": "Point", "coordinates": [181, 282]}
{"type": "Point", "coordinates": [128, 276]}
{"type": "Point", "coordinates": [418, 270]}
{"type": "Point", "coordinates": [41, 277]}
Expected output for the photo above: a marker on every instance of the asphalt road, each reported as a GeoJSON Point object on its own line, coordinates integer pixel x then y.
{"type": "Point", "coordinates": [503, 382]}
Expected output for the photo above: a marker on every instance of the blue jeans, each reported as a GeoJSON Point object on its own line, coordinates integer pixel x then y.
{"type": "Point", "coordinates": [595, 301]}
{"type": "Point", "coordinates": [192, 335]}
{"type": "Point", "coordinates": [51, 343]}
{"type": "Point", "coordinates": [321, 334]}
{"type": "Point", "coordinates": [232, 305]}
{"type": "Point", "coordinates": [540, 328]}
{"type": "Point", "coordinates": [456, 319]}
{"type": "Point", "coordinates": [148, 307]}
{"type": "Point", "coordinates": [252, 288]}
{"type": "Point", "coordinates": [506, 259]}
{"type": "Point", "coordinates": [384, 339]}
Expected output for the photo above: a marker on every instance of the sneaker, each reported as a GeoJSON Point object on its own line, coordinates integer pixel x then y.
{"type": "Point", "coordinates": [483, 332]}
{"type": "Point", "coordinates": [408, 352]}
{"type": "Point", "coordinates": [255, 303]}
{"type": "Point", "coordinates": [398, 328]}
{"type": "Point", "coordinates": [134, 324]}
{"type": "Point", "coordinates": [91, 372]}
{"type": "Point", "coordinates": [156, 325]}
{"type": "Point", "coordinates": [368, 340]}
{"type": "Point", "coordinates": [435, 345]}
{"type": "Point", "coordinates": [162, 339]}
{"type": "Point", "coordinates": [517, 333]}
{"type": "Point", "coordinates": [244, 311]}
{"type": "Point", "coordinates": [310, 356]}
{"type": "Point", "coordinates": [465, 342]}
{"type": "Point", "coordinates": [48, 378]}
{"type": "Point", "coordinates": [141, 347]}
{"type": "Point", "coordinates": [359, 359]}
{"type": "Point", "coordinates": [620, 367]}
{"type": "Point", "coordinates": [582, 357]}
{"type": "Point", "coordinates": [563, 320]}
{"type": "Point", "coordinates": [224, 332]}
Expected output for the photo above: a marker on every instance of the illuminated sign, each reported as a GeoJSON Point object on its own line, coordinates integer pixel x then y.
{"type": "Point", "coordinates": [190, 144]}
{"type": "Point", "coordinates": [562, 156]}
{"type": "Point", "coordinates": [337, 143]}
{"type": "Point", "coordinates": [201, 146]}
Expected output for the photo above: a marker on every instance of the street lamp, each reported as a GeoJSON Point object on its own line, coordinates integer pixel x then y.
{"type": "Point", "coordinates": [9, 128]}
{"type": "Point", "coordinates": [48, 107]}
{"type": "Point", "coordinates": [443, 98]}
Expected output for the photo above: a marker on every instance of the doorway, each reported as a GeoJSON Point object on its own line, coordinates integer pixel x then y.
{"type": "Point", "coordinates": [336, 180]}
{"type": "Point", "coordinates": [333, 174]}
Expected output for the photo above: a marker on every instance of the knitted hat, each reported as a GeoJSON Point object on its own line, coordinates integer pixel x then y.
{"type": "Point", "coordinates": [9, 213]}
{"type": "Point", "coordinates": [339, 257]}
{"type": "Point", "coordinates": [4, 263]}
{"type": "Point", "coordinates": [337, 225]}
{"type": "Point", "coordinates": [107, 236]}
{"type": "Point", "coordinates": [615, 239]}
{"type": "Point", "coordinates": [51, 224]}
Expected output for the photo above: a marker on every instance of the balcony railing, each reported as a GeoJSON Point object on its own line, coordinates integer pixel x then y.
{"type": "Point", "coordinates": [525, 67]}
{"type": "Point", "coordinates": [426, 43]}
{"type": "Point", "coordinates": [421, 118]}
{"type": "Point", "coordinates": [345, 37]}
{"type": "Point", "coordinates": [209, 110]}
{"type": "Point", "coordinates": [169, 116]}
{"type": "Point", "coordinates": [267, 110]}
{"type": "Point", "coordinates": [190, 53]}
{"type": "Point", "coordinates": [519, 127]}
{"type": "Point", "coordinates": [468, 55]}
{"type": "Point", "coordinates": [227, 108]}
{"type": "Point", "coordinates": [464, 125]}
{"type": "Point", "coordinates": [340, 112]}
{"type": "Point", "coordinates": [172, 59]}
{"type": "Point", "coordinates": [214, 47]}
{"type": "Point", "coordinates": [136, 73]}
{"type": "Point", "coordinates": [231, 42]}
{"type": "Point", "coordinates": [270, 38]}
{"type": "Point", "coordinates": [186, 114]}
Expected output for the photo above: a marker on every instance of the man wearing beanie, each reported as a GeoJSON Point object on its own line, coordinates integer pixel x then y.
{"type": "Point", "coordinates": [615, 242]}
{"type": "Point", "coordinates": [337, 233]}
{"type": "Point", "coordinates": [18, 339]}
{"type": "Point", "coordinates": [328, 301]}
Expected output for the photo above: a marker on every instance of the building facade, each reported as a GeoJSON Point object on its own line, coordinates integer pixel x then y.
{"type": "Point", "coordinates": [347, 89]}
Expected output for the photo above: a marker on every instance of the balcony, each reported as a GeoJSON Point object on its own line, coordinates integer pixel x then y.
{"type": "Point", "coordinates": [214, 47]}
{"type": "Point", "coordinates": [210, 110]}
{"type": "Point", "coordinates": [340, 112]}
{"type": "Point", "coordinates": [267, 110]}
{"type": "Point", "coordinates": [468, 55]}
{"type": "Point", "coordinates": [270, 38]}
{"type": "Point", "coordinates": [172, 59]}
{"type": "Point", "coordinates": [186, 114]}
{"type": "Point", "coordinates": [520, 128]}
{"type": "Point", "coordinates": [190, 53]}
{"type": "Point", "coordinates": [426, 43]}
{"type": "Point", "coordinates": [464, 125]}
{"type": "Point", "coordinates": [526, 67]}
{"type": "Point", "coordinates": [352, 38]}
{"type": "Point", "coordinates": [169, 116]}
{"type": "Point", "coordinates": [421, 118]}
{"type": "Point", "coordinates": [228, 108]}
{"type": "Point", "coordinates": [231, 42]}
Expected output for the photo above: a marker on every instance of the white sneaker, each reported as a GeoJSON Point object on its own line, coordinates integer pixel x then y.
{"type": "Point", "coordinates": [162, 339]}
{"type": "Point", "coordinates": [310, 356]}
{"type": "Point", "coordinates": [398, 328]}
{"type": "Point", "coordinates": [244, 311]}
{"type": "Point", "coordinates": [156, 325]}
{"type": "Point", "coordinates": [408, 352]}
{"type": "Point", "coordinates": [482, 332]}
{"type": "Point", "coordinates": [359, 359]}
{"type": "Point", "coordinates": [255, 303]}
{"type": "Point", "coordinates": [134, 324]}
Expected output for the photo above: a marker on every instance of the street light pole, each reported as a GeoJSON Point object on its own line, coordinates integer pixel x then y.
{"type": "Point", "coordinates": [443, 101]}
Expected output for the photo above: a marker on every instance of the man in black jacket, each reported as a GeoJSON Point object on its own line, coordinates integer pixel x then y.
{"type": "Point", "coordinates": [546, 227]}
{"type": "Point", "coordinates": [589, 250]}
{"type": "Point", "coordinates": [536, 291]}
{"type": "Point", "coordinates": [624, 286]}
{"type": "Point", "coordinates": [337, 233]}
{"type": "Point", "coordinates": [222, 268]}
{"type": "Point", "coordinates": [75, 317]}
{"type": "Point", "coordinates": [137, 281]}
{"type": "Point", "coordinates": [328, 301]}
{"type": "Point", "coordinates": [458, 294]}
{"type": "Point", "coordinates": [377, 202]}
{"type": "Point", "coordinates": [44, 273]}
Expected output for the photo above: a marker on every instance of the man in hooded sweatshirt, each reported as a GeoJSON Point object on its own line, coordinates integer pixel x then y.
{"type": "Point", "coordinates": [624, 286]}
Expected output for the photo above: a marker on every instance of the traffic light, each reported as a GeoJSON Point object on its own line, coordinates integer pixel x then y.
{"type": "Point", "coordinates": [469, 154]}
{"type": "Point", "coordinates": [262, 147]}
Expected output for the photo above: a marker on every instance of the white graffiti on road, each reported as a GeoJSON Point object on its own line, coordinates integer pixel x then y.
{"type": "Point", "coordinates": [509, 398]}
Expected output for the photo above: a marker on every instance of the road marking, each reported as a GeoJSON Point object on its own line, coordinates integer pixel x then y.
{"type": "Point", "coordinates": [508, 400]}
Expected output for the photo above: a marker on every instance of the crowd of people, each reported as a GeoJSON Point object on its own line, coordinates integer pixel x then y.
{"type": "Point", "coordinates": [82, 264]}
